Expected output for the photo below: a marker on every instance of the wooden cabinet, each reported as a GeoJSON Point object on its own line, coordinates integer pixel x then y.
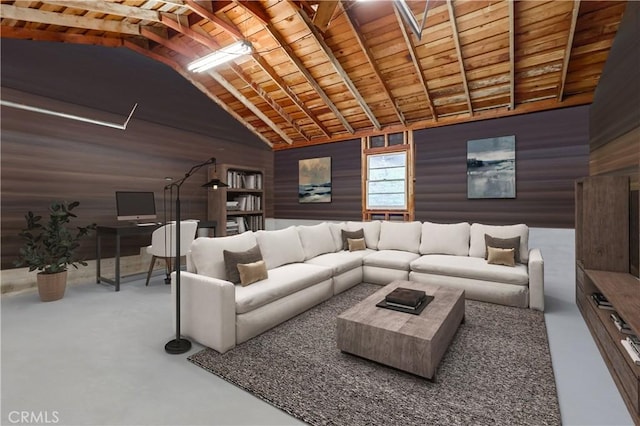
{"type": "Point", "coordinates": [602, 266]}
{"type": "Point", "coordinates": [240, 207]}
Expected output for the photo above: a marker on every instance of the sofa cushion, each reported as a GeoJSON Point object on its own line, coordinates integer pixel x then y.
{"type": "Point", "coordinates": [233, 258]}
{"type": "Point", "coordinates": [477, 246]}
{"type": "Point", "coordinates": [316, 240]}
{"type": "Point", "coordinates": [280, 247]}
{"type": "Point", "coordinates": [356, 244]}
{"type": "Point", "coordinates": [282, 281]}
{"type": "Point", "coordinates": [392, 259]}
{"type": "Point", "coordinates": [470, 267]}
{"type": "Point", "coordinates": [371, 231]}
{"type": "Point", "coordinates": [207, 253]}
{"type": "Point", "coordinates": [350, 235]}
{"type": "Point", "coordinates": [400, 236]}
{"type": "Point", "coordinates": [336, 233]}
{"type": "Point", "coordinates": [500, 256]}
{"type": "Point", "coordinates": [339, 262]}
{"type": "Point", "coordinates": [444, 238]}
{"type": "Point", "coordinates": [503, 243]}
{"type": "Point", "coordinates": [252, 272]}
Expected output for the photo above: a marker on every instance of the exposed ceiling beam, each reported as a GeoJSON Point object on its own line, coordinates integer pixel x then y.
{"type": "Point", "coordinates": [272, 103]}
{"type": "Point", "coordinates": [337, 66]}
{"type": "Point", "coordinates": [567, 51]}
{"type": "Point", "coordinates": [43, 35]}
{"type": "Point", "coordinates": [229, 28]}
{"type": "Point", "coordinates": [416, 62]}
{"type": "Point", "coordinates": [357, 32]}
{"type": "Point", "coordinates": [323, 15]}
{"type": "Point", "coordinates": [255, 9]}
{"type": "Point", "coordinates": [512, 54]}
{"type": "Point", "coordinates": [287, 90]}
{"type": "Point", "coordinates": [188, 76]}
{"type": "Point", "coordinates": [108, 8]}
{"type": "Point", "coordinates": [220, 79]}
{"type": "Point", "coordinates": [52, 18]}
{"type": "Point", "coordinates": [456, 40]}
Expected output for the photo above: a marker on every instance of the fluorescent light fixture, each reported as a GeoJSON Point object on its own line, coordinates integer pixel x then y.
{"type": "Point", "coordinates": [221, 56]}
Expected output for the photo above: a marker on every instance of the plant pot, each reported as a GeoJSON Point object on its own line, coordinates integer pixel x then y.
{"type": "Point", "coordinates": [51, 286]}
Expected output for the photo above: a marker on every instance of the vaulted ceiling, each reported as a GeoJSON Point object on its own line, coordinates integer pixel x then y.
{"type": "Point", "coordinates": [330, 70]}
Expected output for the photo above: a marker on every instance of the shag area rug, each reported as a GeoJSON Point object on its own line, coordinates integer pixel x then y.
{"type": "Point", "coordinates": [497, 371]}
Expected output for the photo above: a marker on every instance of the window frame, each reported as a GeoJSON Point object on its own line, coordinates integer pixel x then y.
{"type": "Point", "coordinates": [406, 213]}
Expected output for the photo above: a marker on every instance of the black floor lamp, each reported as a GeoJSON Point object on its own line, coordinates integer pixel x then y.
{"type": "Point", "coordinates": [180, 345]}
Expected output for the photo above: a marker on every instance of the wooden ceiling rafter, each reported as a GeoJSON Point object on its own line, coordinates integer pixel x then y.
{"type": "Point", "coordinates": [43, 35]}
{"type": "Point", "coordinates": [456, 40]}
{"type": "Point", "coordinates": [221, 23]}
{"type": "Point", "coordinates": [567, 52]}
{"type": "Point", "coordinates": [256, 10]}
{"type": "Point", "coordinates": [323, 15]}
{"type": "Point", "coordinates": [64, 20]}
{"type": "Point", "coordinates": [357, 32]}
{"type": "Point", "coordinates": [109, 9]}
{"type": "Point", "coordinates": [319, 38]}
{"type": "Point", "coordinates": [416, 63]}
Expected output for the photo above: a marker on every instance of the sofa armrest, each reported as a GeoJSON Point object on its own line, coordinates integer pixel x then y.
{"type": "Point", "coordinates": [207, 310]}
{"type": "Point", "coordinates": [536, 280]}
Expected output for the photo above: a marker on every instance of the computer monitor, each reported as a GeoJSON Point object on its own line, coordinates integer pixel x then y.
{"type": "Point", "coordinates": [135, 205]}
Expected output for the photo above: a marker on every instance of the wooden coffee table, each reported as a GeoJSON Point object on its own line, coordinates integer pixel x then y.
{"type": "Point", "coordinates": [413, 343]}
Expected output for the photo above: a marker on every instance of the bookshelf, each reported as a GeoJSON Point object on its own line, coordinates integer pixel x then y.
{"type": "Point", "coordinates": [240, 207]}
{"type": "Point", "coordinates": [602, 266]}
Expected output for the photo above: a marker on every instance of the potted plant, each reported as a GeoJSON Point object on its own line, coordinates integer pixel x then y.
{"type": "Point", "coordinates": [51, 247]}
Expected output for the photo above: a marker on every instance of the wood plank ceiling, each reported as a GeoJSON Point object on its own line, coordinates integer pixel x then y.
{"type": "Point", "coordinates": [331, 70]}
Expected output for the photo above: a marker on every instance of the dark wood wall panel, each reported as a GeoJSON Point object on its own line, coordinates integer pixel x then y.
{"type": "Point", "coordinates": [346, 199]}
{"type": "Point", "coordinates": [551, 152]}
{"type": "Point", "coordinates": [616, 104]}
{"type": "Point", "coordinates": [47, 158]}
{"type": "Point", "coordinates": [614, 123]}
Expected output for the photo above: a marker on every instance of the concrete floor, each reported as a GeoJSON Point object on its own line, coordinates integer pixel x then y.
{"type": "Point", "coordinates": [97, 357]}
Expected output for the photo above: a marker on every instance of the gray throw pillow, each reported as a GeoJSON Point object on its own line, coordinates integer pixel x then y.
{"type": "Point", "coordinates": [233, 258]}
{"type": "Point", "coordinates": [354, 235]}
{"type": "Point", "coordinates": [503, 243]}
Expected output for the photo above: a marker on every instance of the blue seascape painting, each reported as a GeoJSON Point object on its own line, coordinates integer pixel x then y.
{"type": "Point", "coordinates": [491, 167]}
{"type": "Point", "coordinates": [314, 184]}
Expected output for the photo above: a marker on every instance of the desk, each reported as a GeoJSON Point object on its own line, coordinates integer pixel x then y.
{"type": "Point", "coordinates": [127, 230]}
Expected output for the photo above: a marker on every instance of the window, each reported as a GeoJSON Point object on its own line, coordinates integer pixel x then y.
{"type": "Point", "coordinates": [387, 181]}
{"type": "Point", "coordinates": [387, 170]}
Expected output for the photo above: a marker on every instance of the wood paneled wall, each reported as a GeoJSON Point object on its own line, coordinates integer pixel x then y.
{"type": "Point", "coordinates": [614, 124]}
{"type": "Point", "coordinates": [47, 158]}
{"type": "Point", "coordinates": [551, 152]}
{"type": "Point", "coordinates": [346, 197]}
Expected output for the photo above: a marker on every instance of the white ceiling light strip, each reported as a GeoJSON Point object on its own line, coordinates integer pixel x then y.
{"type": "Point", "coordinates": [69, 116]}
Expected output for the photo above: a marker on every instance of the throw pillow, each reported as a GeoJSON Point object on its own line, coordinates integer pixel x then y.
{"type": "Point", "coordinates": [233, 258]}
{"type": "Point", "coordinates": [504, 243]}
{"type": "Point", "coordinates": [500, 256]}
{"type": "Point", "coordinates": [355, 245]}
{"type": "Point", "coordinates": [354, 235]}
{"type": "Point", "coordinates": [252, 272]}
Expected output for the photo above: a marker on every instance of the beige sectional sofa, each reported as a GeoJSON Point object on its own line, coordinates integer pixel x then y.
{"type": "Point", "coordinates": [307, 265]}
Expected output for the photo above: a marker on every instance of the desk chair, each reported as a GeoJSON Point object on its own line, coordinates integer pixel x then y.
{"type": "Point", "coordinates": [163, 244]}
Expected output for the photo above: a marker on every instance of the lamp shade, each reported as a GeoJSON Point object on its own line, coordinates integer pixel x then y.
{"type": "Point", "coordinates": [215, 184]}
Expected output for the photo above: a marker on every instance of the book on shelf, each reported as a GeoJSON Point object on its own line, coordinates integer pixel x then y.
{"type": "Point", "coordinates": [633, 354]}
{"type": "Point", "coordinates": [406, 297]}
{"type": "Point", "coordinates": [620, 324]}
{"type": "Point", "coordinates": [601, 301]}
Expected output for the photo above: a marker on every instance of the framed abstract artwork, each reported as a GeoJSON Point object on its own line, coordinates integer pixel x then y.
{"type": "Point", "coordinates": [314, 180]}
{"type": "Point", "coordinates": [491, 167]}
